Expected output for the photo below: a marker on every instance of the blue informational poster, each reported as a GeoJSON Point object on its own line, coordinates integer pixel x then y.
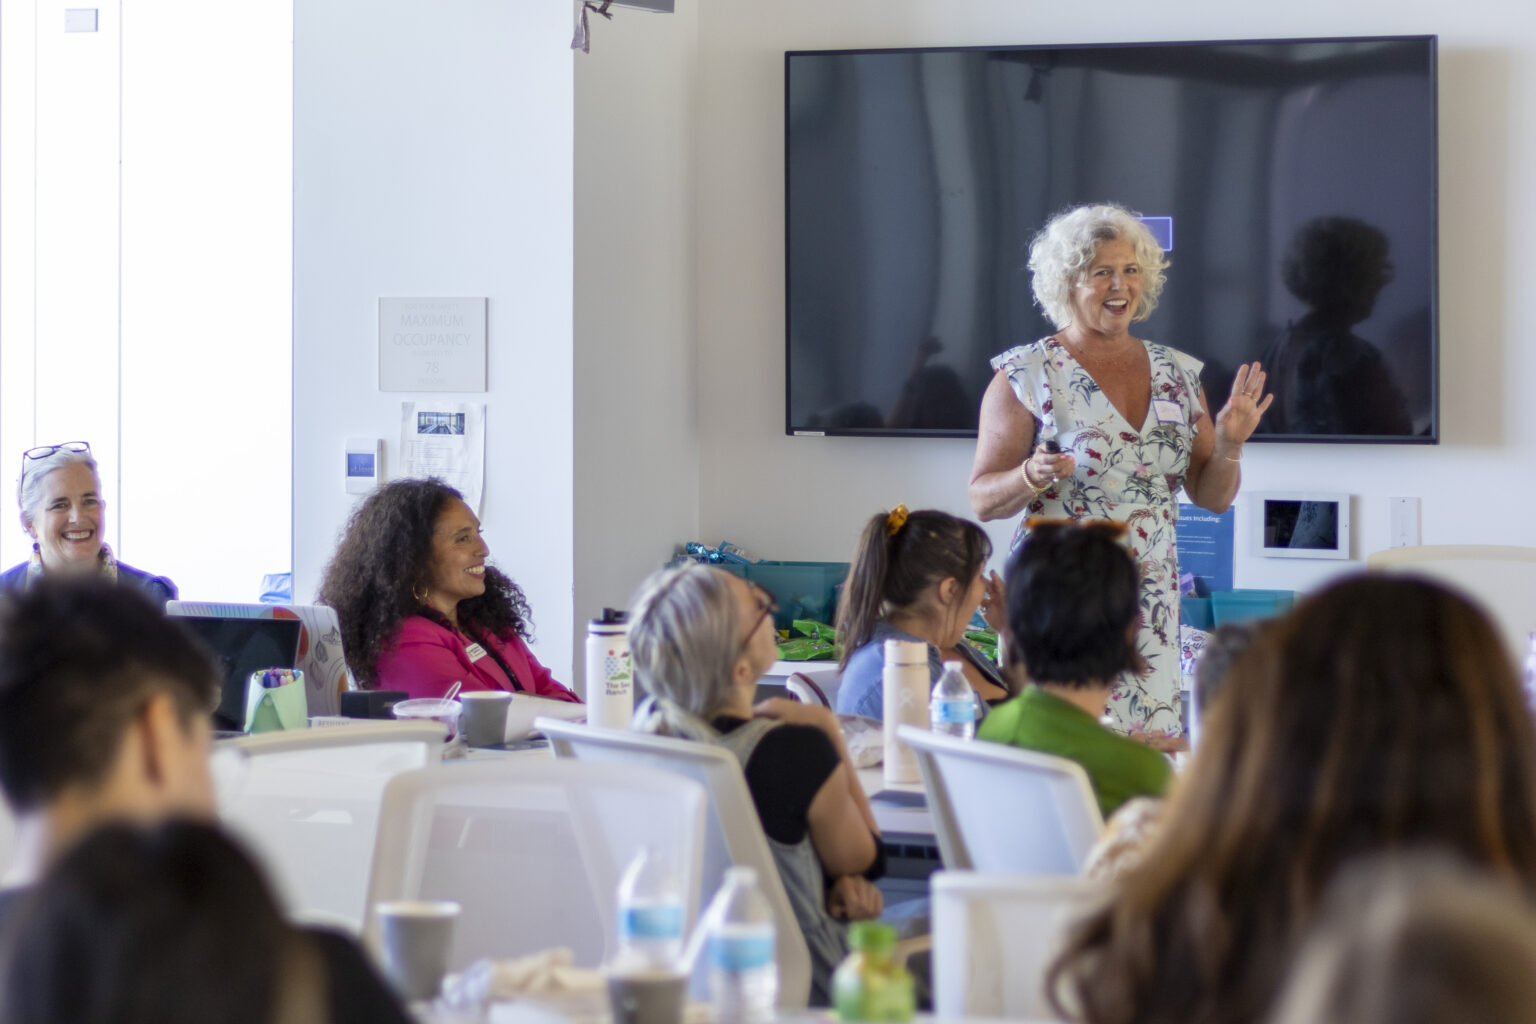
{"type": "Point", "coordinates": [1205, 547]}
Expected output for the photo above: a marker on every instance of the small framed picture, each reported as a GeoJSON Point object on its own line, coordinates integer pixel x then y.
{"type": "Point", "coordinates": [1300, 524]}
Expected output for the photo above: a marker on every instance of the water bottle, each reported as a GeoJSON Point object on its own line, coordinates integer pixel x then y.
{"type": "Point", "coordinates": [952, 708]}
{"type": "Point", "coordinates": [610, 681]}
{"type": "Point", "coordinates": [743, 974]}
{"type": "Point", "coordinates": [650, 910]}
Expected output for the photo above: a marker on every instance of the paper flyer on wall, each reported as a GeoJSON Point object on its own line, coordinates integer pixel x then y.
{"type": "Point", "coordinates": [447, 440]}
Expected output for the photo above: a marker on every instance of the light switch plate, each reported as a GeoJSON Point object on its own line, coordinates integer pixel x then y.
{"type": "Point", "coordinates": [1405, 522]}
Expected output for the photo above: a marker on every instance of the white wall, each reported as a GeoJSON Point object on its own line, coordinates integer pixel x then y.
{"type": "Point", "coordinates": [433, 157]}
{"type": "Point", "coordinates": [144, 277]}
{"type": "Point", "coordinates": [806, 497]}
{"type": "Point", "coordinates": [637, 450]}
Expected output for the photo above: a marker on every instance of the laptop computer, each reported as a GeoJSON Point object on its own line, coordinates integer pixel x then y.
{"type": "Point", "coordinates": [242, 646]}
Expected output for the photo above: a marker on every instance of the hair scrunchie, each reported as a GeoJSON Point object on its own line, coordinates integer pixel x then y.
{"type": "Point", "coordinates": [895, 520]}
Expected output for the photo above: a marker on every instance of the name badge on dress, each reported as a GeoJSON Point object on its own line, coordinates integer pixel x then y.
{"type": "Point", "coordinates": [475, 652]}
{"type": "Point", "coordinates": [1166, 411]}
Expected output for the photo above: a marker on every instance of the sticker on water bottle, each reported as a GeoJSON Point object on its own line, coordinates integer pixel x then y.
{"type": "Point", "coordinates": [741, 951]}
{"type": "Point", "coordinates": [657, 921]}
{"type": "Point", "coordinates": [957, 712]}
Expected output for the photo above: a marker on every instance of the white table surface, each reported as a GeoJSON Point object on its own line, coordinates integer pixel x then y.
{"type": "Point", "coordinates": [893, 820]}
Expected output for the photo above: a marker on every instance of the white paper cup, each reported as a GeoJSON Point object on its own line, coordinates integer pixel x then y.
{"type": "Point", "coordinates": [484, 718]}
{"type": "Point", "coordinates": [414, 937]}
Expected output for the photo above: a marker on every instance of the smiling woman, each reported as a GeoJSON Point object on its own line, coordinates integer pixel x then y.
{"type": "Point", "coordinates": [1096, 423]}
{"type": "Point", "coordinates": [64, 513]}
{"type": "Point", "coordinates": [419, 607]}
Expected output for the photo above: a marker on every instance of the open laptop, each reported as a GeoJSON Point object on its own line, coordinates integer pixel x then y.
{"type": "Point", "coordinates": [242, 646]}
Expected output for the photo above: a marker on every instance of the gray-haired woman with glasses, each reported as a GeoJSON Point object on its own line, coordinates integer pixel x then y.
{"type": "Point", "coordinates": [701, 638]}
{"type": "Point", "coordinates": [63, 512]}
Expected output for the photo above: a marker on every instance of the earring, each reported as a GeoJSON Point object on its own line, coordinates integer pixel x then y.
{"type": "Point", "coordinates": [421, 598]}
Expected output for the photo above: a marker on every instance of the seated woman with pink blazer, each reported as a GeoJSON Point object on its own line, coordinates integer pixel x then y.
{"type": "Point", "coordinates": [419, 607]}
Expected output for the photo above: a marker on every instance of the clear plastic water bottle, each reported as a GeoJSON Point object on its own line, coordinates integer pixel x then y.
{"type": "Point", "coordinates": [743, 974]}
{"type": "Point", "coordinates": [952, 709]}
{"type": "Point", "coordinates": [650, 910]}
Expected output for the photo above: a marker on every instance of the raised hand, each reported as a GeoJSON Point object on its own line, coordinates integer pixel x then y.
{"type": "Point", "coordinates": [1239, 417]}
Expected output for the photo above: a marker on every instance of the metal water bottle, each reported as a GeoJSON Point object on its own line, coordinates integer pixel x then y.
{"type": "Point", "coordinates": [610, 680]}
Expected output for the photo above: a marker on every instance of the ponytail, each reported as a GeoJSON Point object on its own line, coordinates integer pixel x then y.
{"type": "Point", "coordinates": [900, 555]}
{"type": "Point", "coordinates": [863, 596]}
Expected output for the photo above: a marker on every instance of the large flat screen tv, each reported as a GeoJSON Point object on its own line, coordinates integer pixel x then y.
{"type": "Point", "coordinates": [1292, 182]}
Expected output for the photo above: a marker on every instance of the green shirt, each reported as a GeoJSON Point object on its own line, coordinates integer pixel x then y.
{"type": "Point", "coordinates": [1117, 767]}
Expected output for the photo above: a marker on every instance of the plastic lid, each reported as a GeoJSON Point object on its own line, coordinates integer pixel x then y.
{"type": "Point", "coordinates": [871, 937]}
{"type": "Point", "coordinates": [615, 618]}
{"type": "Point", "coordinates": [906, 652]}
{"type": "Point", "coordinates": [954, 666]}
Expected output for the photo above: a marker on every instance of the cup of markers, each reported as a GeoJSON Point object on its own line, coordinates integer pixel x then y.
{"type": "Point", "coordinates": [275, 699]}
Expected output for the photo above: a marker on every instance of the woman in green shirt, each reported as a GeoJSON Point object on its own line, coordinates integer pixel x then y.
{"type": "Point", "coordinates": [1072, 612]}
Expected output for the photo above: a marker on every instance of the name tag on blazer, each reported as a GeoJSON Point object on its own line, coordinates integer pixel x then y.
{"type": "Point", "coordinates": [475, 652]}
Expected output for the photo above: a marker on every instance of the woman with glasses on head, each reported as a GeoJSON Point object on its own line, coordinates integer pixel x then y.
{"type": "Point", "coordinates": [63, 511]}
{"type": "Point", "coordinates": [916, 576]}
{"type": "Point", "coordinates": [701, 638]}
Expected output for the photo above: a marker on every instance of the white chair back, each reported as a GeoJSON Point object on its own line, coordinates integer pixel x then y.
{"type": "Point", "coordinates": [307, 803]}
{"type": "Point", "coordinates": [1502, 579]}
{"type": "Point", "coordinates": [999, 808]}
{"type": "Point", "coordinates": [532, 849]}
{"type": "Point", "coordinates": [815, 686]}
{"type": "Point", "coordinates": [733, 833]}
{"type": "Point", "coordinates": [993, 938]}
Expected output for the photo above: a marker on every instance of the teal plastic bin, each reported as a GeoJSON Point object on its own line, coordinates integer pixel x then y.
{"type": "Point", "coordinates": [1242, 605]}
{"type": "Point", "coordinates": [1196, 613]}
{"type": "Point", "coordinates": [804, 590]}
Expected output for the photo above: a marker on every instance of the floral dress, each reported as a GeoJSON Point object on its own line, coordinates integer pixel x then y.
{"type": "Point", "coordinates": [1127, 473]}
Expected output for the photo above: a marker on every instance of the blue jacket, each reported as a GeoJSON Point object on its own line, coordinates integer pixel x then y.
{"type": "Point", "coordinates": [157, 588]}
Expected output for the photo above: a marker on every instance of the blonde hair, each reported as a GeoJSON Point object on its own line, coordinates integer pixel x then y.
{"type": "Point", "coordinates": [684, 639]}
{"type": "Point", "coordinates": [1063, 250]}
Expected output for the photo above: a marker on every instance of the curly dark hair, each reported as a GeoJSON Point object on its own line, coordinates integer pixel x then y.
{"type": "Point", "coordinates": [385, 554]}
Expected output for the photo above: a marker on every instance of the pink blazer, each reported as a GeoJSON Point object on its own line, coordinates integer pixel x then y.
{"type": "Point", "coordinates": [425, 659]}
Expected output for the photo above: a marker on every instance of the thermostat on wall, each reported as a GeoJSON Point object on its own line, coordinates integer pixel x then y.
{"type": "Point", "coordinates": [1300, 524]}
{"type": "Point", "coordinates": [363, 457]}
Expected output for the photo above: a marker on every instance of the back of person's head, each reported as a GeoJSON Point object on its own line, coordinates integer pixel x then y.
{"type": "Point", "coordinates": [165, 925]}
{"type": "Point", "coordinates": [80, 660]}
{"type": "Point", "coordinates": [1072, 603]}
{"type": "Point", "coordinates": [1416, 940]}
{"type": "Point", "coordinates": [1380, 714]}
{"type": "Point", "coordinates": [900, 556]}
{"type": "Point", "coordinates": [685, 628]}
{"type": "Point", "coordinates": [1227, 644]}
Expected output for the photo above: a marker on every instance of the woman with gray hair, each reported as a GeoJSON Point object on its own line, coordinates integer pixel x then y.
{"type": "Point", "coordinates": [700, 639]}
{"type": "Point", "coordinates": [1095, 423]}
{"type": "Point", "coordinates": [63, 512]}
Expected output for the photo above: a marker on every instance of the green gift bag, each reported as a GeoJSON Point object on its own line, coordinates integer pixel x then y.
{"type": "Point", "coordinates": [270, 707]}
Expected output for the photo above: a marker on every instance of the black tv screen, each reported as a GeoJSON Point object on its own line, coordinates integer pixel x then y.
{"type": "Point", "coordinates": [1291, 181]}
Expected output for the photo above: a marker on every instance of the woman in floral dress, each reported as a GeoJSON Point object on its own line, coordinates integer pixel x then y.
{"type": "Point", "coordinates": [1130, 420]}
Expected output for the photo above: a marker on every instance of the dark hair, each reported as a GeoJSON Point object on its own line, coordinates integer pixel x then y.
{"type": "Point", "coordinates": [1382, 713]}
{"type": "Point", "coordinates": [165, 925]}
{"type": "Point", "coordinates": [1073, 599]}
{"type": "Point", "coordinates": [385, 554]}
{"type": "Point", "coordinates": [892, 568]}
{"type": "Point", "coordinates": [1336, 262]}
{"type": "Point", "coordinates": [79, 659]}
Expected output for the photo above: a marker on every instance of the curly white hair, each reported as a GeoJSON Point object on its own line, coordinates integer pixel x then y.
{"type": "Point", "coordinates": [1063, 250]}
